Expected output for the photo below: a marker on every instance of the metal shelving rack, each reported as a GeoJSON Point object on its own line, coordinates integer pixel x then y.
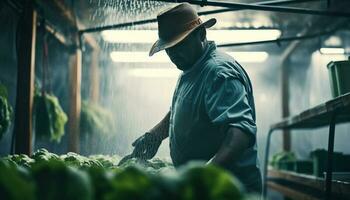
{"type": "Point", "coordinates": [329, 114]}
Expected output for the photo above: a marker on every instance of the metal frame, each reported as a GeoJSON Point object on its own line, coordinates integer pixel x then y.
{"type": "Point", "coordinates": [329, 173]}
{"type": "Point", "coordinates": [328, 181]}
{"type": "Point", "coordinates": [263, 8]}
{"type": "Point", "coordinates": [18, 8]}
{"type": "Point", "coordinates": [267, 152]}
{"type": "Point", "coordinates": [25, 42]}
{"type": "Point", "coordinates": [278, 41]}
{"type": "Point", "coordinates": [216, 11]}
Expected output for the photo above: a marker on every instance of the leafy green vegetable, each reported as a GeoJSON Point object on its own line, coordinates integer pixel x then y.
{"type": "Point", "coordinates": [20, 159]}
{"type": "Point", "coordinates": [13, 186]}
{"type": "Point", "coordinates": [208, 182]}
{"type": "Point", "coordinates": [283, 156]}
{"type": "Point", "coordinates": [42, 155]}
{"type": "Point", "coordinates": [101, 181]}
{"type": "Point", "coordinates": [3, 91]}
{"type": "Point", "coordinates": [77, 160]}
{"type": "Point", "coordinates": [5, 111]}
{"type": "Point", "coordinates": [106, 160]}
{"type": "Point", "coordinates": [50, 119]}
{"type": "Point", "coordinates": [132, 183]}
{"type": "Point", "coordinates": [73, 176]}
{"type": "Point", "coordinates": [95, 119]}
{"type": "Point", "coordinates": [55, 180]}
{"type": "Point", "coordinates": [153, 166]}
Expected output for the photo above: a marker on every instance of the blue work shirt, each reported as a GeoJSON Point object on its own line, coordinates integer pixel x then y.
{"type": "Point", "coordinates": [213, 95]}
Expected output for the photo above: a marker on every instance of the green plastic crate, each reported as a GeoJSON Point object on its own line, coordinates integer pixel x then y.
{"type": "Point", "coordinates": [339, 73]}
{"type": "Point", "coordinates": [319, 159]}
{"type": "Point", "coordinates": [303, 166]}
{"type": "Point", "coordinates": [286, 165]}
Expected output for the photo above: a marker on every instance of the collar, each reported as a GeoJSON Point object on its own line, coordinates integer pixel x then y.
{"type": "Point", "coordinates": [209, 47]}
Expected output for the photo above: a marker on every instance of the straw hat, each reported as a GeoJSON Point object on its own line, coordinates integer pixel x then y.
{"type": "Point", "coordinates": [175, 24]}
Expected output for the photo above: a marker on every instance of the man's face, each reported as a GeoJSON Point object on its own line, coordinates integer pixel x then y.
{"type": "Point", "coordinates": [186, 53]}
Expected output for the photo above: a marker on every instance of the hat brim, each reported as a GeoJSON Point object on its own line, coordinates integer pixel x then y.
{"type": "Point", "coordinates": [160, 44]}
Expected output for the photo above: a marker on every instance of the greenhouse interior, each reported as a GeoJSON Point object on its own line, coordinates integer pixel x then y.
{"type": "Point", "coordinates": [174, 99]}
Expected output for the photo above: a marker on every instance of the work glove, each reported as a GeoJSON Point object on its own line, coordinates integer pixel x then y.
{"type": "Point", "coordinates": [146, 146]}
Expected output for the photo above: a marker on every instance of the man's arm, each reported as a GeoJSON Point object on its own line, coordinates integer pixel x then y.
{"type": "Point", "coordinates": [147, 145]}
{"type": "Point", "coordinates": [161, 130]}
{"type": "Point", "coordinates": [234, 145]}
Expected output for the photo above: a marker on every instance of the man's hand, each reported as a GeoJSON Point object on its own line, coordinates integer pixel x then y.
{"type": "Point", "coordinates": [147, 145]}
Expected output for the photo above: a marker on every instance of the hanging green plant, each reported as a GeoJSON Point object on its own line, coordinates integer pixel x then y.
{"type": "Point", "coordinates": [5, 111]}
{"type": "Point", "coordinates": [95, 119]}
{"type": "Point", "coordinates": [50, 119]}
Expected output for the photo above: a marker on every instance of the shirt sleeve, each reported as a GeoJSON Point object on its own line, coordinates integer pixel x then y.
{"type": "Point", "coordinates": [227, 105]}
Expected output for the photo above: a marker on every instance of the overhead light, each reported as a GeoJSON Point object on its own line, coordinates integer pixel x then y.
{"type": "Point", "coordinates": [333, 41]}
{"type": "Point", "coordinates": [161, 57]}
{"type": "Point", "coordinates": [332, 50]}
{"type": "Point", "coordinates": [154, 73]}
{"type": "Point", "coordinates": [249, 56]}
{"type": "Point", "coordinates": [238, 36]}
{"type": "Point", "coordinates": [130, 36]}
{"type": "Point", "coordinates": [139, 57]}
{"type": "Point", "coordinates": [219, 36]}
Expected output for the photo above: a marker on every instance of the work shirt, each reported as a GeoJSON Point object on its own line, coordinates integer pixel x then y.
{"type": "Point", "coordinates": [213, 95]}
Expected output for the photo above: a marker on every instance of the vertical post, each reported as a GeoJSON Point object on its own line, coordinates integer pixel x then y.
{"type": "Point", "coordinates": [94, 76]}
{"type": "Point", "coordinates": [285, 103]}
{"type": "Point", "coordinates": [25, 79]}
{"type": "Point", "coordinates": [329, 172]}
{"type": "Point", "coordinates": [75, 101]}
{"type": "Point", "coordinates": [266, 162]}
{"type": "Point", "coordinates": [285, 85]}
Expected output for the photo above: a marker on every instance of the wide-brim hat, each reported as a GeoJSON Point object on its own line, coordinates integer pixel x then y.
{"type": "Point", "coordinates": [175, 24]}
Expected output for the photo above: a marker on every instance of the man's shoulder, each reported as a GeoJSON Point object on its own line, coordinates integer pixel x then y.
{"type": "Point", "coordinates": [220, 64]}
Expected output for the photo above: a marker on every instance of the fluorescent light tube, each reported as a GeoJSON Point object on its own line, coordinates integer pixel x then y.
{"type": "Point", "coordinates": [238, 36]}
{"type": "Point", "coordinates": [139, 57]}
{"type": "Point", "coordinates": [332, 50]}
{"type": "Point", "coordinates": [249, 56]}
{"type": "Point", "coordinates": [161, 57]}
{"type": "Point", "coordinates": [219, 36]}
{"type": "Point", "coordinates": [130, 36]}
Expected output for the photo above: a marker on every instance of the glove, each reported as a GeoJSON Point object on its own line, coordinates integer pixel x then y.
{"type": "Point", "coordinates": [146, 146]}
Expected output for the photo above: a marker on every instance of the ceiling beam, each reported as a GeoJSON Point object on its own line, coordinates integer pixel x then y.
{"type": "Point", "coordinates": [203, 13]}
{"type": "Point", "coordinates": [264, 8]}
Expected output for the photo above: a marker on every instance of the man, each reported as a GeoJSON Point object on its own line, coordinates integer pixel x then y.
{"type": "Point", "coordinates": [212, 117]}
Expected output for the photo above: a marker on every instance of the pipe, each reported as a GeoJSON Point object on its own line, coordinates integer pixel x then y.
{"type": "Point", "coordinates": [340, 25]}
{"type": "Point", "coordinates": [18, 8]}
{"type": "Point", "coordinates": [264, 8]}
{"type": "Point", "coordinates": [15, 6]}
{"type": "Point", "coordinates": [279, 40]}
{"type": "Point", "coordinates": [115, 26]}
{"type": "Point", "coordinates": [67, 15]}
{"type": "Point", "coordinates": [273, 2]}
{"type": "Point", "coordinates": [216, 11]}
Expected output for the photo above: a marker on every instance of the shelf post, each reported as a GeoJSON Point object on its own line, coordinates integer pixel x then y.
{"type": "Point", "coordinates": [266, 162]}
{"type": "Point", "coordinates": [25, 80]}
{"type": "Point", "coordinates": [75, 101]}
{"type": "Point", "coordinates": [285, 103]}
{"type": "Point", "coordinates": [329, 172]}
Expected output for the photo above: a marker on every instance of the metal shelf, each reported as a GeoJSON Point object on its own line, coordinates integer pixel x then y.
{"type": "Point", "coordinates": [319, 116]}
{"type": "Point", "coordinates": [305, 186]}
{"type": "Point", "coordinates": [290, 192]}
{"type": "Point", "coordinates": [329, 114]}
